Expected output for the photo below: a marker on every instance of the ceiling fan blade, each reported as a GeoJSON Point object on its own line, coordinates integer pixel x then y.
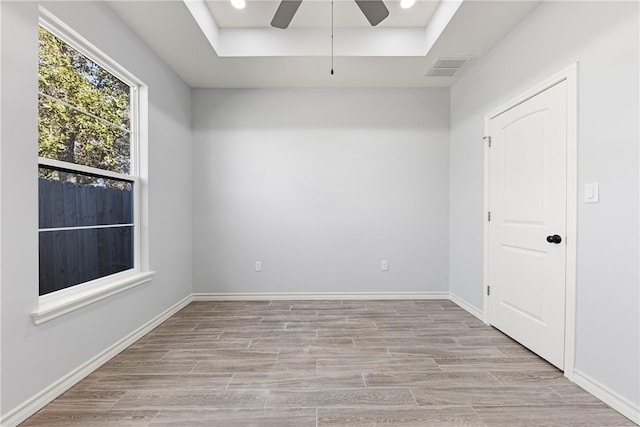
{"type": "Point", "coordinates": [285, 13]}
{"type": "Point", "coordinates": [374, 10]}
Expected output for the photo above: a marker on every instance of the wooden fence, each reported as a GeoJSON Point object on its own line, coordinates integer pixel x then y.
{"type": "Point", "coordinates": [85, 233]}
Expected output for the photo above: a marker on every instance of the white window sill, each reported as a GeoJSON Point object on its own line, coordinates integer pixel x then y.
{"type": "Point", "coordinates": [67, 300]}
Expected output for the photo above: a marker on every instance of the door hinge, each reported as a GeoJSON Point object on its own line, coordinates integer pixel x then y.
{"type": "Point", "coordinates": [488, 290]}
{"type": "Point", "coordinates": [488, 138]}
{"type": "Point", "coordinates": [489, 216]}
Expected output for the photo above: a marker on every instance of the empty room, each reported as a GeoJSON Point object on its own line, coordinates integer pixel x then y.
{"type": "Point", "coordinates": [319, 213]}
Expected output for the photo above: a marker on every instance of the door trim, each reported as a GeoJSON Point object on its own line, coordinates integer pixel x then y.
{"type": "Point", "coordinates": [570, 75]}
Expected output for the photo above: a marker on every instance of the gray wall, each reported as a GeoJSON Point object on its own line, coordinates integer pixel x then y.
{"type": "Point", "coordinates": [603, 37]}
{"type": "Point", "coordinates": [320, 185]}
{"type": "Point", "coordinates": [33, 357]}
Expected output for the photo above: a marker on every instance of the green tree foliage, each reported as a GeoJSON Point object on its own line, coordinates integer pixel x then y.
{"type": "Point", "coordinates": [71, 86]}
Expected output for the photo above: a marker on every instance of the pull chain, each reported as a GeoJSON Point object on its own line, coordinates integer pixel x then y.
{"type": "Point", "coordinates": [332, 37]}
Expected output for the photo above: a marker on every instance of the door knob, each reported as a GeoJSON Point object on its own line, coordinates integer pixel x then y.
{"type": "Point", "coordinates": [554, 239]}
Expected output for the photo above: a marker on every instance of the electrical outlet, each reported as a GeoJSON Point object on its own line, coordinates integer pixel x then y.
{"type": "Point", "coordinates": [384, 265]}
{"type": "Point", "coordinates": [258, 266]}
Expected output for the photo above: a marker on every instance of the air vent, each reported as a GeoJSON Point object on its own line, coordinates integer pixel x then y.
{"type": "Point", "coordinates": [446, 67]}
{"type": "Point", "coordinates": [450, 63]}
{"type": "Point", "coordinates": [443, 72]}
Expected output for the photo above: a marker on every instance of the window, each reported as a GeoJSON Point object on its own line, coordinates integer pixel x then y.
{"type": "Point", "coordinates": [87, 172]}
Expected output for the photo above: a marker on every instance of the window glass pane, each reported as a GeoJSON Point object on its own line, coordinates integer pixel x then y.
{"type": "Point", "coordinates": [66, 74]}
{"type": "Point", "coordinates": [86, 220]}
{"type": "Point", "coordinates": [74, 90]}
{"type": "Point", "coordinates": [70, 257]}
{"type": "Point", "coordinates": [72, 136]}
{"type": "Point", "coordinates": [69, 199]}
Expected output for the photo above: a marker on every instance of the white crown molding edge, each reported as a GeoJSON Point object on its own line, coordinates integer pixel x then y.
{"type": "Point", "coordinates": [608, 396]}
{"type": "Point", "coordinates": [41, 399]}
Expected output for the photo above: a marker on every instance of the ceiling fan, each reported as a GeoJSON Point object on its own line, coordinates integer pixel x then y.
{"type": "Point", "coordinates": [374, 10]}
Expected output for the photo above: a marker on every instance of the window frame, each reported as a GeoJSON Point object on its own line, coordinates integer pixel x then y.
{"type": "Point", "coordinates": [63, 301]}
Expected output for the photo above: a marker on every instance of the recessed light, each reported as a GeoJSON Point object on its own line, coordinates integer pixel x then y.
{"type": "Point", "coordinates": [406, 4]}
{"type": "Point", "coordinates": [238, 4]}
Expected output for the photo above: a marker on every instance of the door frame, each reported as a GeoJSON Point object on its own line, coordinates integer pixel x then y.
{"type": "Point", "coordinates": [570, 75]}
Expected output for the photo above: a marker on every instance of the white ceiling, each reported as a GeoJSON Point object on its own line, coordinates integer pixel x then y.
{"type": "Point", "coordinates": [211, 44]}
{"type": "Point", "coordinates": [317, 13]}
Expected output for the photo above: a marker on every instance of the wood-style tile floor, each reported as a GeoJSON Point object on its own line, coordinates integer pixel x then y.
{"type": "Point", "coordinates": [326, 363]}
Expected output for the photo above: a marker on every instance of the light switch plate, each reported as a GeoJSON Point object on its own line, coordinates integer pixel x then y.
{"type": "Point", "coordinates": [591, 193]}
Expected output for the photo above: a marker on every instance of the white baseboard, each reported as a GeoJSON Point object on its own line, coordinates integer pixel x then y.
{"type": "Point", "coordinates": [318, 296]}
{"type": "Point", "coordinates": [468, 307]}
{"type": "Point", "coordinates": [38, 401]}
{"type": "Point", "coordinates": [608, 396]}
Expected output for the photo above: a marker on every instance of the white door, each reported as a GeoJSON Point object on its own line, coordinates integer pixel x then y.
{"type": "Point", "coordinates": [527, 228]}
